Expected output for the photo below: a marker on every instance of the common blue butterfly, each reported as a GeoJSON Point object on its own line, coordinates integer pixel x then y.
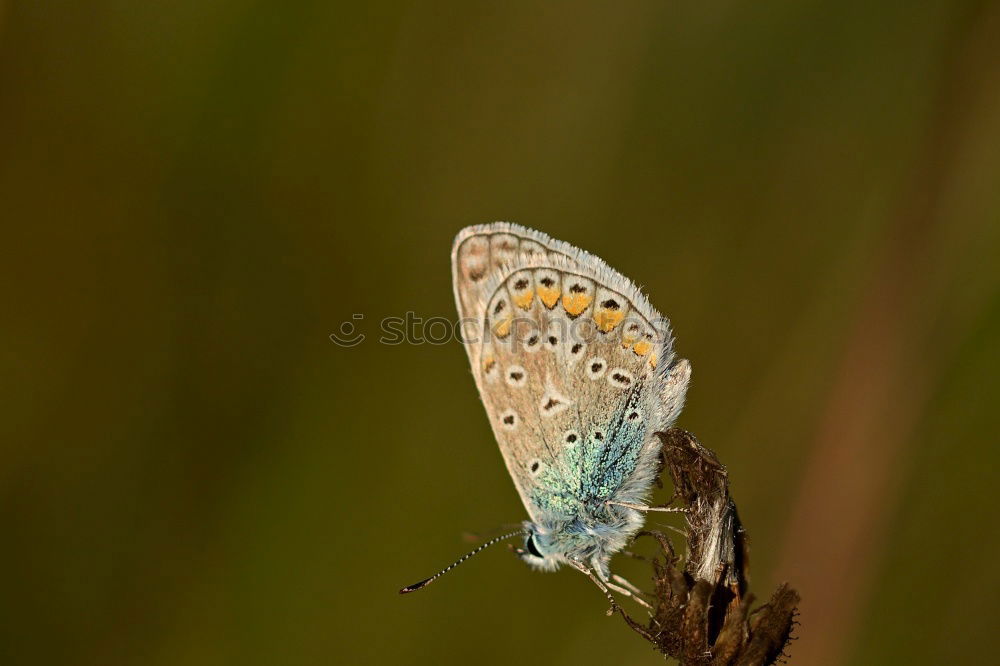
{"type": "Point", "coordinates": [577, 372]}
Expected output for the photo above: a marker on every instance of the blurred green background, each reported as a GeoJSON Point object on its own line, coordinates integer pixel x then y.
{"type": "Point", "coordinates": [196, 194]}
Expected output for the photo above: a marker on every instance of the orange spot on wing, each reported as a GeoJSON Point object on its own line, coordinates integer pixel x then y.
{"type": "Point", "coordinates": [607, 319]}
{"type": "Point", "coordinates": [548, 296]}
{"type": "Point", "coordinates": [576, 303]}
{"type": "Point", "coordinates": [523, 300]}
{"type": "Point", "coordinates": [502, 327]}
{"type": "Point", "coordinates": [642, 347]}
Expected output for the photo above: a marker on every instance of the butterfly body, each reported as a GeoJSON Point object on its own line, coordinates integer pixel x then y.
{"type": "Point", "coordinates": [577, 372]}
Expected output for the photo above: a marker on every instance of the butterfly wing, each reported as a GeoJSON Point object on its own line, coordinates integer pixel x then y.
{"type": "Point", "coordinates": [575, 368]}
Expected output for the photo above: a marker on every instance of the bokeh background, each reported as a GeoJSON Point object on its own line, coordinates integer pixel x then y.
{"type": "Point", "coordinates": [196, 194]}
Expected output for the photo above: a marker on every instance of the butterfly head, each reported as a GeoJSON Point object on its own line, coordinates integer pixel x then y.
{"type": "Point", "coordinates": [538, 551]}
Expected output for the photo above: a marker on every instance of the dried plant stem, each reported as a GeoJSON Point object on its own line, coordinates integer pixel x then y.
{"type": "Point", "coordinates": [702, 613]}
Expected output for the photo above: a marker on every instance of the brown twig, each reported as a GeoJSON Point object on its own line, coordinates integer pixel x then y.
{"type": "Point", "coordinates": [702, 611]}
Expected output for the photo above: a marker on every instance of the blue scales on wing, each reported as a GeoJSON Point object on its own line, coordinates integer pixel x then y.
{"type": "Point", "coordinates": [593, 469]}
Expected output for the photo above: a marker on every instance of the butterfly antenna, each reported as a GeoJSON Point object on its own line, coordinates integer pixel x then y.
{"type": "Point", "coordinates": [428, 581]}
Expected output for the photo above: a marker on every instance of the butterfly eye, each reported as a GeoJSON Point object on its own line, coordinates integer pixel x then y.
{"type": "Point", "coordinates": [532, 548]}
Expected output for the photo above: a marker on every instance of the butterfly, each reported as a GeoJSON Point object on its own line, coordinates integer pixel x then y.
{"type": "Point", "coordinates": [577, 372]}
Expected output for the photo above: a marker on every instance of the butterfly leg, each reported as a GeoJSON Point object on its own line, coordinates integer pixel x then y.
{"type": "Point", "coordinates": [628, 589]}
{"type": "Point", "coordinates": [643, 507]}
{"type": "Point", "coordinates": [628, 593]}
{"type": "Point", "coordinates": [621, 580]}
{"type": "Point", "coordinates": [579, 566]}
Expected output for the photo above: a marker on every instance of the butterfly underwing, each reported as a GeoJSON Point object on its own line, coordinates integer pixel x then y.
{"type": "Point", "coordinates": [577, 372]}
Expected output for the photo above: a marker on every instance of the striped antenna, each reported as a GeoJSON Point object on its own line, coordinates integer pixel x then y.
{"type": "Point", "coordinates": [428, 581]}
